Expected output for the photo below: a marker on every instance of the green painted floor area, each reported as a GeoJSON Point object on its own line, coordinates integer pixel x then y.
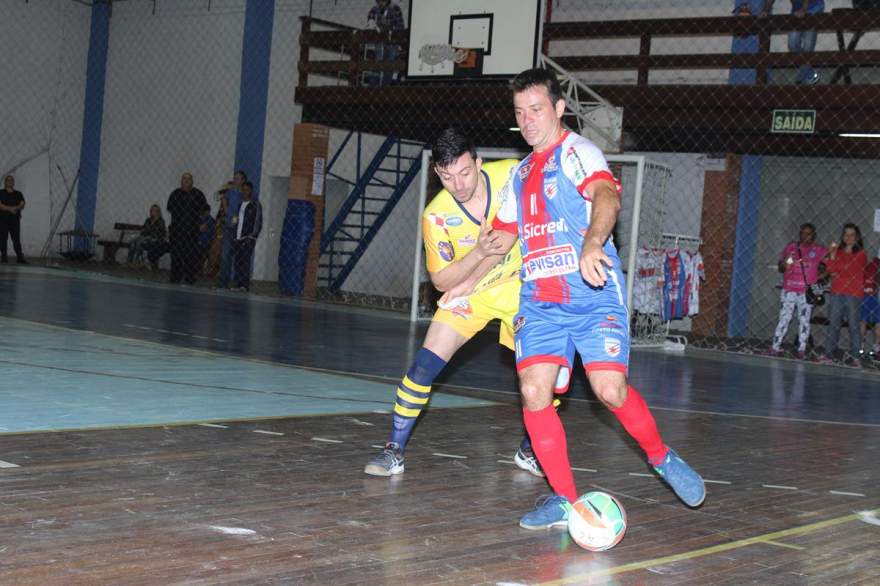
{"type": "Point", "coordinates": [55, 378]}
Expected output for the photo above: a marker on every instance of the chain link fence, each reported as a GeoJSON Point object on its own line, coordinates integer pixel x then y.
{"type": "Point", "coordinates": [744, 129]}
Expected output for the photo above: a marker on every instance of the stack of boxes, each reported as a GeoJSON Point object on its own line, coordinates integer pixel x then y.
{"type": "Point", "coordinates": [308, 167]}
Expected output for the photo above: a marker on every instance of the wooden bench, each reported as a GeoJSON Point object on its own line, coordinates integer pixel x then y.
{"type": "Point", "coordinates": [111, 247]}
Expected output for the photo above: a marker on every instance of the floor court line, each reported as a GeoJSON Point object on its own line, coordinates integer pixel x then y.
{"type": "Point", "coordinates": [437, 387]}
{"type": "Point", "coordinates": [180, 383]}
{"type": "Point", "coordinates": [706, 551]}
{"type": "Point", "coordinates": [84, 380]}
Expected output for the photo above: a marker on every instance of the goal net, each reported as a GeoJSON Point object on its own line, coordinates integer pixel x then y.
{"type": "Point", "coordinates": [640, 225]}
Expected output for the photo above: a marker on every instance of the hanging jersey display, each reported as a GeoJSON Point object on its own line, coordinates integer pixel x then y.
{"type": "Point", "coordinates": [696, 274]}
{"type": "Point", "coordinates": [674, 290]}
{"type": "Point", "coordinates": [648, 281]}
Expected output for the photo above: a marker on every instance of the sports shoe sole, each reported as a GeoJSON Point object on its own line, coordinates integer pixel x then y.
{"type": "Point", "coordinates": [376, 470]}
{"type": "Point", "coordinates": [556, 525]}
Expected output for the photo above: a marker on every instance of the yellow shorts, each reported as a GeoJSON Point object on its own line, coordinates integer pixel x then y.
{"type": "Point", "coordinates": [500, 302]}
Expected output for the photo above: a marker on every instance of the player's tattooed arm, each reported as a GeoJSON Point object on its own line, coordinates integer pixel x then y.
{"type": "Point", "coordinates": [605, 208]}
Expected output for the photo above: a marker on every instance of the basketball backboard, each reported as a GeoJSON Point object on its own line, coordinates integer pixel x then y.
{"type": "Point", "coordinates": [487, 38]}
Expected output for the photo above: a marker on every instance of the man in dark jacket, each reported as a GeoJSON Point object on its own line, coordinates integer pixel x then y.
{"type": "Point", "coordinates": [185, 205]}
{"type": "Point", "coordinates": [248, 224]}
{"type": "Point", "coordinates": [11, 204]}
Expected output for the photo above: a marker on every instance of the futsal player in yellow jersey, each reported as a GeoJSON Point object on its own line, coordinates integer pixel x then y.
{"type": "Point", "coordinates": [452, 224]}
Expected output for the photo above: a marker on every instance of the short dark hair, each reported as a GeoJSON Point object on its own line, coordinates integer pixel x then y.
{"type": "Point", "coordinates": [535, 77]}
{"type": "Point", "coordinates": [859, 245]}
{"type": "Point", "coordinates": [242, 173]}
{"type": "Point", "coordinates": [450, 145]}
{"type": "Point", "coordinates": [808, 225]}
{"type": "Point", "coordinates": [247, 184]}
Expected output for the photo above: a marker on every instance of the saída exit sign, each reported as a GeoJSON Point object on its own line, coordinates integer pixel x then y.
{"type": "Point", "coordinates": [793, 122]}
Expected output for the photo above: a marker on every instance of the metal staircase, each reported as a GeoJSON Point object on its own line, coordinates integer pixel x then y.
{"type": "Point", "coordinates": [374, 193]}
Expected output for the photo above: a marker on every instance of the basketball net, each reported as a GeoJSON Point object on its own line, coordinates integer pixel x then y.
{"type": "Point", "coordinates": [436, 54]}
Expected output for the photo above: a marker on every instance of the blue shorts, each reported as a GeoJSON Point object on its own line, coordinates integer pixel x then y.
{"type": "Point", "coordinates": [871, 309]}
{"type": "Point", "coordinates": [549, 333]}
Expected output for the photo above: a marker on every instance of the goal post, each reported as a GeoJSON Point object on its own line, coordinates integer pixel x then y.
{"type": "Point", "coordinates": [640, 223]}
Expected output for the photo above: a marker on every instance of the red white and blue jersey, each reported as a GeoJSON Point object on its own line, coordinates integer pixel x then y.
{"type": "Point", "coordinates": [548, 202]}
{"type": "Point", "coordinates": [676, 285]}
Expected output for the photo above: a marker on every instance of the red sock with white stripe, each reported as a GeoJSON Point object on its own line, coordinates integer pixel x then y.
{"type": "Point", "coordinates": [549, 444]}
{"type": "Point", "coordinates": [637, 420]}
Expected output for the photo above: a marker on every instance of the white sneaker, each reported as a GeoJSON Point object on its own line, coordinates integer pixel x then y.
{"type": "Point", "coordinates": [388, 463]}
{"type": "Point", "coordinates": [528, 462]}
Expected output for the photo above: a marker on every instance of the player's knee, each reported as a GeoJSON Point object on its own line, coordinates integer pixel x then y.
{"type": "Point", "coordinates": [611, 393]}
{"type": "Point", "coordinates": [535, 397]}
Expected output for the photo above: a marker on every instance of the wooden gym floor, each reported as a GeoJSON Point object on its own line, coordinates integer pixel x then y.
{"type": "Point", "coordinates": [164, 435]}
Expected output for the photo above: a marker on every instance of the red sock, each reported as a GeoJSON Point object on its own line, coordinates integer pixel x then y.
{"type": "Point", "coordinates": [548, 442]}
{"type": "Point", "coordinates": [637, 420]}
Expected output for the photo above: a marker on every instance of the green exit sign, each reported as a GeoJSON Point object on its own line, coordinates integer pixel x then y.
{"type": "Point", "coordinates": [793, 122]}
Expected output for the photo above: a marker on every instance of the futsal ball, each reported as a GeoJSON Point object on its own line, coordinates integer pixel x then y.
{"type": "Point", "coordinates": [597, 521]}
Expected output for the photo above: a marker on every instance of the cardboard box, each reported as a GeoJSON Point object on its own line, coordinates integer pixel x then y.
{"type": "Point", "coordinates": [308, 168]}
{"type": "Point", "coordinates": [310, 142]}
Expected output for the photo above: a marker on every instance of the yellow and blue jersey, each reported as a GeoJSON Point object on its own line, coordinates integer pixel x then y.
{"type": "Point", "coordinates": [450, 232]}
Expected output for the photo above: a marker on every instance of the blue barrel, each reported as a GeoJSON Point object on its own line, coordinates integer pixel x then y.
{"type": "Point", "coordinates": [293, 253]}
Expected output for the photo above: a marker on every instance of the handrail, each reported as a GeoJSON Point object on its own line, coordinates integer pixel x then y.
{"type": "Point", "coordinates": [348, 45]}
{"type": "Point", "coordinates": [330, 23]}
{"type": "Point", "coordinates": [844, 19]}
{"type": "Point", "coordinates": [573, 87]}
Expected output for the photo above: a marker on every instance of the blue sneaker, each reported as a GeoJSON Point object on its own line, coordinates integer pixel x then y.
{"type": "Point", "coordinates": [686, 483]}
{"type": "Point", "coordinates": [553, 512]}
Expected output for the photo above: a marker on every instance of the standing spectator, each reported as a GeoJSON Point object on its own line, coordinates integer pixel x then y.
{"type": "Point", "coordinates": [801, 41]}
{"type": "Point", "coordinates": [231, 192]}
{"type": "Point", "coordinates": [799, 263]}
{"type": "Point", "coordinates": [11, 204]}
{"type": "Point", "coordinates": [386, 17]}
{"type": "Point", "coordinates": [151, 239]}
{"type": "Point", "coordinates": [846, 264]}
{"type": "Point", "coordinates": [871, 308]}
{"type": "Point", "coordinates": [212, 265]}
{"type": "Point", "coordinates": [207, 227]}
{"type": "Point", "coordinates": [185, 205]}
{"type": "Point", "coordinates": [248, 224]}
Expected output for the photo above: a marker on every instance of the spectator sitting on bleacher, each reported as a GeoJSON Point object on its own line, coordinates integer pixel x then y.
{"type": "Point", "coordinates": [151, 239]}
{"type": "Point", "coordinates": [845, 263]}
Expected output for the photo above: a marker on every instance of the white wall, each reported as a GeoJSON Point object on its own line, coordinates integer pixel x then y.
{"type": "Point", "coordinates": [170, 104]}
{"type": "Point", "coordinates": [43, 73]}
{"type": "Point", "coordinates": [171, 101]}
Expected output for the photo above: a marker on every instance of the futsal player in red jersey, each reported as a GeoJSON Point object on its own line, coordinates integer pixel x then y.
{"type": "Point", "coordinates": [562, 202]}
